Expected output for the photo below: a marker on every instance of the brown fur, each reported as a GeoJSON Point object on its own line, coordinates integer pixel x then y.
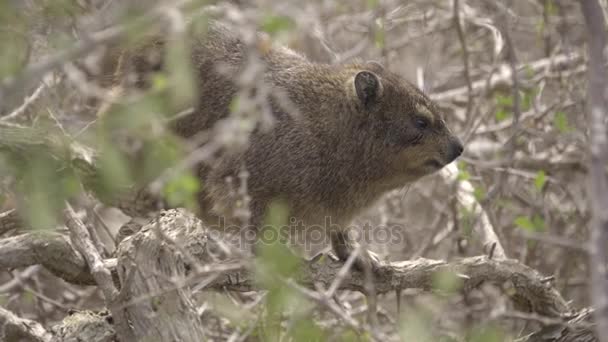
{"type": "Point", "coordinates": [347, 146]}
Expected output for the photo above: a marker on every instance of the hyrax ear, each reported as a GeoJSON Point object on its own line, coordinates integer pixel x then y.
{"type": "Point", "coordinates": [368, 87]}
{"type": "Point", "coordinates": [374, 66]}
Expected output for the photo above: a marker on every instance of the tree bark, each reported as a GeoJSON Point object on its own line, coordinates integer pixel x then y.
{"type": "Point", "coordinates": [598, 182]}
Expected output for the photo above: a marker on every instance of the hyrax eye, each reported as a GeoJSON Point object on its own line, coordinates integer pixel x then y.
{"type": "Point", "coordinates": [421, 123]}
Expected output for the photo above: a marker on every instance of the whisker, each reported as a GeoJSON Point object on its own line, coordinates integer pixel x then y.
{"type": "Point", "coordinates": [407, 189]}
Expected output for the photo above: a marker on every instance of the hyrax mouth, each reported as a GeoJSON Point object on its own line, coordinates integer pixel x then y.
{"type": "Point", "coordinates": [434, 163]}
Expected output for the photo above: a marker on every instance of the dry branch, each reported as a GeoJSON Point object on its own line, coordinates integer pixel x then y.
{"type": "Point", "coordinates": [503, 78]}
{"type": "Point", "coordinates": [156, 271]}
{"type": "Point", "coordinates": [83, 242]}
{"type": "Point", "coordinates": [10, 220]}
{"type": "Point", "coordinates": [51, 250]}
{"type": "Point", "coordinates": [13, 328]}
{"type": "Point", "coordinates": [529, 285]}
{"type": "Point", "coordinates": [85, 326]}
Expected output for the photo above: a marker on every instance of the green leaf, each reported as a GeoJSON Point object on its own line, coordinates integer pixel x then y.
{"type": "Point", "coordinates": [551, 8]}
{"type": "Point", "coordinates": [415, 325]}
{"type": "Point", "coordinates": [488, 333]}
{"type": "Point", "coordinates": [504, 101]}
{"type": "Point", "coordinates": [308, 330]}
{"type": "Point", "coordinates": [540, 180]}
{"type": "Point", "coordinates": [560, 121]}
{"type": "Point", "coordinates": [540, 28]}
{"type": "Point", "coordinates": [180, 76]}
{"type": "Point", "coordinates": [529, 71]}
{"type": "Point", "coordinates": [479, 193]}
{"type": "Point", "coordinates": [372, 4]}
{"type": "Point", "coordinates": [528, 97]}
{"type": "Point", "coordinates": [501, 114]}
{"type": "Point", "coordinates": [159, 82]}
{"type": "Point", "coordinates": [380, 38]}
{"type": "Point", "coordinates": [534, 224]}
{"type": "Point", "coordinates": [462, 165]}
{"type": "Point", "coordinates": [274, 24]}
{"type": "Point", "coordinates": [538, 222]}
{"type": "Point", "coordinates": [464, 175]}
{"type": "Point", "coordinates": [447, 281]}
{"type": "Point", "coordinates": [525, 223]}
{"type": "Point", "coordinates": [181, 191]}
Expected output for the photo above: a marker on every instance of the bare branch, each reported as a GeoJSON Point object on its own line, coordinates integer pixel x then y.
{"type": "Point", "coordinates": [82, 240]}
{"type": "Point", "coordinates": [51, 250]}
{"type": "Point", "coordinates": [13, 328]}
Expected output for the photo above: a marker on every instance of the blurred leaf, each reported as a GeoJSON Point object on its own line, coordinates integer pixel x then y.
{"type": "Point", "coordinates": [380, 37]}
{"type": "Point", "coordinates": [479, 193]}
{"type": "Point", "coordinates": [274, 24]}
{"type": "Point", "coordinates": [525, 223]}
{"type": "Point", "coordinates": [501, 114]}
{"type": "Point", "coordinates": [274, 262]}
{"type": "Point", "coordinates": [44, 185]}
{"type": "Point", "coordinates": [540, 29]}
{"type": "Point", "coordinates": [180, 74]}
{"type": "Point", "coordinates": [538, 222]}
{"type": "Point", "coordinates": [560, 121]}
{"type": "Point", "coordinates": [447, 281]}
{"type": "Point", "coordinates": [13, 51]}
{"type": "Point", "coordinates": [529, 71]}
{"type": "Point", "coordinates": [534, 224]}
{"type": "Point", "coordinates": [138, 119]}
{"type": "Point", "coordinates": [540, 180]}
{"type": "Point", "coordinates": [159, 82]}
{"type": "Point", "coordinates": [464, 175]}
{"type": "Point", "coordinates": [467, 219]}
{"type": "Point", "coordinates": [551, 8]}
{"type": "Point", "coordinates": [488, 333]}
{"type": "Point", "coordinates": [528, 98]}
{"type": "Point", "coordinates": [114, 172]}
{"type": "Point", "coordinates": [60, 9]}
{"type": "Point", "coordinates": [159, 154]}
{"type": "Point", "coordinates": [415, 326]}
{"type": "Point", "coordinates": [228, 309]}
{"type": "Point", "coordinates": [504, 101]}
{"type": "Point", "coordinates": [306, 330]}
{"type": "Point", "coordinates": [503, 107]}
{"type": "Point", "coordinates": [181, 191]}
{"type": "Point", "coordinates": [372, 4]}
{"type": "Point", "coordinates": [275, 257]}
{"type": "Point", "coordinates": [350, 335]}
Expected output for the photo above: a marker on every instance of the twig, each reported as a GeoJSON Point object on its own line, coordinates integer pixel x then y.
{"type": "Point", "coordinates": [26, 103]}
{"type": "Point", "coordinates": [82, 241]}
{"type": "Point", "coordinates": [465, 58]}
{"type": "Point", "coordinates": [483, 226]}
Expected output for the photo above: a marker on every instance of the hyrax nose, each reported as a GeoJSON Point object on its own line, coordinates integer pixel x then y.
{"type": "Point", "coordinates": [455, 149]}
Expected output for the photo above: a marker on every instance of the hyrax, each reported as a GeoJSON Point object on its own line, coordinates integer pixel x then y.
{"type": "Point", "coordinates": [360, 131]}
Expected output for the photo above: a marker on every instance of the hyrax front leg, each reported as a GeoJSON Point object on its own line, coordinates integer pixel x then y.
{"type": "Point", "coordinates": [343, 245]}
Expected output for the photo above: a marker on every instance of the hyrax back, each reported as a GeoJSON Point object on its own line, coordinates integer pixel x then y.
{"type": "Point", "coordinates": [359, 131]}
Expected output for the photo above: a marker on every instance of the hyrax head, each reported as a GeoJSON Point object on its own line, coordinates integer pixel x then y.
{"type": "Point", "coordinates": [403, 127]}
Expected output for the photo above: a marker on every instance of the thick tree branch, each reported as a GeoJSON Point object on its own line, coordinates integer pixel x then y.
{"type": "Point", "coordinates": [529, 286]}
{"type": "Point", "coordinates": [598, 182]}
{"type": "Point", "coordinates": [158, 265]}
{"type": "Point", "coordinates": [13, 328]}
{"type": "Point", "coordinates": [51, 250]}
{"type": "Point", "coordinates": [10, 220]}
